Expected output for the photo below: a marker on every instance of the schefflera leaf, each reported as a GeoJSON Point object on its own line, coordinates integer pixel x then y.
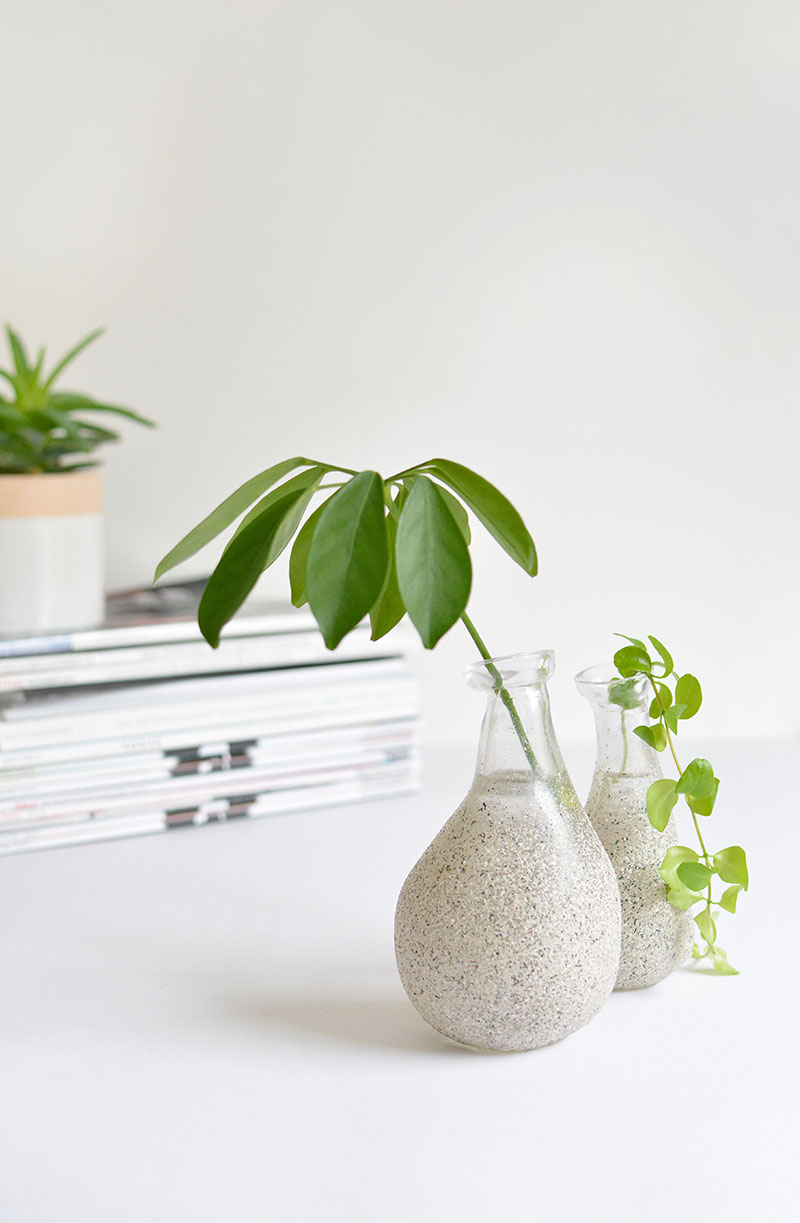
{"type": "Point", "coordinates": [493, 509]}
{"type": "Point", "coordinates": [390, 608]}
{"type": "Point", "coordinates": [247, 555]}
{"type": "Point", "coordinates": [348, 557]}
{"type": "Point", "coordinates": [298, 559]}
{"type": "Point", "coordinates": [226, 513]}
{"type": "Point", "coordinates": [434, 572]}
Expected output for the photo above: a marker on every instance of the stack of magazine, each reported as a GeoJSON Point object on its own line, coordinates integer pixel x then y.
{"type": "Point", "coordinates": [139, 726]}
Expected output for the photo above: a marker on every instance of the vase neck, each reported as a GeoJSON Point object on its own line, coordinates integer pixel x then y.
{"type": "Point", "coordinates": [517, 737]}
{"type": "Point", "coordinates": [619, 706]}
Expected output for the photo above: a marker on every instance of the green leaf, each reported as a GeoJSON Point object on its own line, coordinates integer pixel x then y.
{"type": "Point", "coordinates": [241, 565]}
{"type": "Point", "coordinates": [688, 693]}
{"type": "Point", "coordinates": [493, 509]}
{"type": "Point", "coordinates": [731, 864]}
{"type": "Point", "coordinates": [681, 898]}
{"type": "Point", "coordinates": [630, 660]}
{"type": "Point", "coordinates": [634, 641]}
{"type": "Point", "coordinates": [672, 715]}
{"type": "Point", "coordinates": [661, 798]}
{"type": "Point", "coordinates": [666, 700]}
{"type": "Point", "coordinates": [457, 510]}
{"type": "Point", "coordinates": [705, 924]}
{"type": "Point", "coordinates": [21, 363]}
{"type": "Point", "coordinates": [653, 736]}
{"type": "Point", "coordinates": [694, 875]}
{"type": "Point", "coordinates": [84, 403]}
{"type": "Point", "coordinates": [71, 355]}
{"type": "Point", "coordinates": [434, 573]}
{"type": "Point", "coordinates": [720, 961]}
{"type": "Point", "coordinates": [703, 806]}
{"type": "Point", "coordinates": [697, 779]}
{"type": "Point", "coordinates": [348, 557]}
{"type": "Point", "coordinates": [673, 858]}
{"type": "Point", "coordinates": [729, 897]}
{"type": "Point", "coordinates": [226, 512]}
{"type": "Point", "coordinates": [305, 481]}
{"type": "Point", "coordinates": [624, 692]}
{"type": "Point", "coordinates": [664, 654]}
{"type": "Point", "coordinates": [389, 609]}
{"type": "Point", "coordinates": [298, 559]}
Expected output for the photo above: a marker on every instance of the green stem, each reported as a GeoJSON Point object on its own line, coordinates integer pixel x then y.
{"type": "Point", "coordinates": [678, 767]}
{"type": "Point", "coordinates": [502, 691]}
{"type": "Point", "coordinates": [709, 902]}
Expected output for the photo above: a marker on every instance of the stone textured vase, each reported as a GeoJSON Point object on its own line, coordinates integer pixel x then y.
{"type": "Point", "coordinates": [656, 938]}
{"type": "Point", "coordinates": [507, 930]}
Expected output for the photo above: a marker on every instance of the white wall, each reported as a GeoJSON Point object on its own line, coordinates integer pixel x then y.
{"type": "Point", "coordinates": [557, 242]}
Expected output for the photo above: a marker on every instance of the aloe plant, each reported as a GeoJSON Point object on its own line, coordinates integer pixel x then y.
{"type": "Point", "coordinates": [39, 428]}
{"type": "Point", "coordinates": [377, 547]}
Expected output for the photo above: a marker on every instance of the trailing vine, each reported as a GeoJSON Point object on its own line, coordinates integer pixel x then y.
{"type": "Point", "coordinates": [692, 876]}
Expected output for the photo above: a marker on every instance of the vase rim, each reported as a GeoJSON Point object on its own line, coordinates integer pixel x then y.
{"type": "Point", "coordinates": [598, 679]}
{"type": "Point", "coordinates": [516, 670]}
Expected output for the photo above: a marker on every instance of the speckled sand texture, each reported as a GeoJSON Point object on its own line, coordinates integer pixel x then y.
{"type": "Point", "coordinates": [656, 938]}
{"type": "Point", "coordinates": [507, 930]}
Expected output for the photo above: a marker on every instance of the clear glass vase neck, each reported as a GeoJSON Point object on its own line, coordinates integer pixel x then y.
{"type": "Point", "coordinates": [517, 742]}
{"type": "Point", "coordinates": [619, 706]}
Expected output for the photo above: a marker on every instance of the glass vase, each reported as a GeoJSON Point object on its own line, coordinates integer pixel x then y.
{"type": "Point", "coordinates": [507, 930]}
{"type": "Point", "coordinates": [656, 938]}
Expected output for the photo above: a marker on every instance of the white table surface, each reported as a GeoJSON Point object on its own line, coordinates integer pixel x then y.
{"type": "Point", "coordinates": [209, 1025]}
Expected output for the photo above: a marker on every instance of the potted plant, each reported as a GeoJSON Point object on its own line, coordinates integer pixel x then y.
{"type": "Point", "coordinates": [507, 930]}
{"type": "Point", "coordinates": [51, 543]}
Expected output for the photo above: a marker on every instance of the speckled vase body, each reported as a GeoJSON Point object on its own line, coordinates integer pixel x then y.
{"type": "Point", "coordinates": [656, 938]}
{"type": "Point", "coordinates": [507, 930]}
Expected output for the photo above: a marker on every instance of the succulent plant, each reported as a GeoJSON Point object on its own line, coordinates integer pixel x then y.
{"type": "Point", "coordinates": [40, 429]}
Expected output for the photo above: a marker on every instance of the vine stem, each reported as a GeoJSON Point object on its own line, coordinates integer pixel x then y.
{"type": "Point", "coordinates": [680, 771]}
{"type": "Point", "coordinates": [502, 691]}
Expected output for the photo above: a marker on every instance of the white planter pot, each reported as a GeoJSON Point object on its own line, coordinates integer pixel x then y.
{"type": "Point", "coordinates": [51, 551]}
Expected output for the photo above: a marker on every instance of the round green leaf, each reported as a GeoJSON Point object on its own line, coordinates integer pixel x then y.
{"type": "Point", "coordinates": [434, 573]}
{"type": "Point", "coordinates": [630, 660]}
{"type": "Point", "coordinates": [689, 693]}
{"type": "Point", "coordinates": [697, 779]}
{"type": "Point", "coordinates": [705, 924]}
{"type": "Point", "coordinates": [694, 875]}
{"type": "Point", "coordinates": [681, 898]}
{"type": "Point", "coordinates": [704, 806]}
{"type": "Point", "coordinates": [661, 798]}
{"type": "Point", "coordinates": [348, 557]}
{"type": "Point", "coordinates": [653, 736]}
{"type": "Point", "coordinates": [673, 858]}
{"type": "Point", "coordinates": [729, 897]}
{"type": "Point", "coordinates": [731, 864]}
{"type": "Point", "coordinates": [623, 692]}
{"type": "Point", "coordinates": [720, 961]}
{"type": "Point", "coordinates": [656, 707]}
{"type": "Point", "coordinates": [664, 654]}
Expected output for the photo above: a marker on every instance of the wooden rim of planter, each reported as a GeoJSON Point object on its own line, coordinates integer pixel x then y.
{"type": "Point", "coordinates": [51, 494]}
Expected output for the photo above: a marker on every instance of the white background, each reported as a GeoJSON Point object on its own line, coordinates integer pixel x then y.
{"type": "Point", "coordinates": [556, 242]}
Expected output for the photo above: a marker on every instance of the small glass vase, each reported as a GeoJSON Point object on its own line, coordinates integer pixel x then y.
{"type": "Point", "coordinates": [656, 938]}
{"type": "Point", "coordinates": [507, 930]}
